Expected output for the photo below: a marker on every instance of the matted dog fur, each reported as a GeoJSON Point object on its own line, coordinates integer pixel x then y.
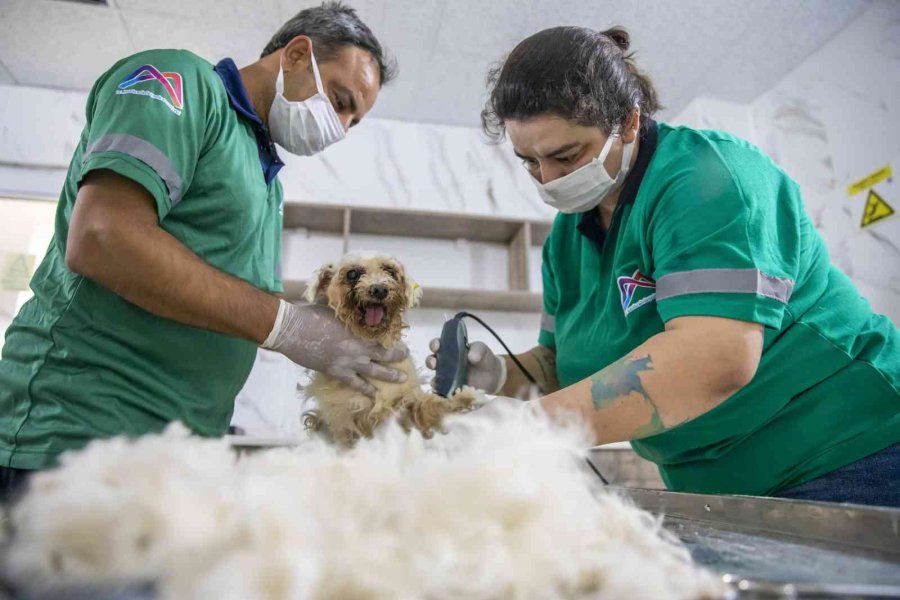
{"type": "Point", "coordinates": [369, 293]}
{"type": "Point", "coordinates": [501, 508]}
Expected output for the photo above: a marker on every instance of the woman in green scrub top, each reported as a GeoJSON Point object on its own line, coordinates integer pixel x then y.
{"type": "Point", "coordinates": [690, 306]}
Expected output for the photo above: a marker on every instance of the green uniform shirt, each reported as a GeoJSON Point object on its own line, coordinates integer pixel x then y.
{"type": "Point", "coordinates": [708, 225]}
{"type": "Point", "coordinates": [81, 362]}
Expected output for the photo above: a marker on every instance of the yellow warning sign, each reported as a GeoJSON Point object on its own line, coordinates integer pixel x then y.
{"type": "Point", "coordinates": [16, 271]}
{"type": "Point", "coordinates": [870, 180]}
{"type": "Point", "coordinates": [876, 209]}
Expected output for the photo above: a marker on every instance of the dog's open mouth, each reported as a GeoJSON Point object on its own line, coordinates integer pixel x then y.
{"type": "Point", "coordinates": [372, 314]}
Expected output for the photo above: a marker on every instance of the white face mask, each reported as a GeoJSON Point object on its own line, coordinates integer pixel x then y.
{"type": "Point", "coordinates": [583, 189]}
{"type": "Point", "coordinates": [306, 127]}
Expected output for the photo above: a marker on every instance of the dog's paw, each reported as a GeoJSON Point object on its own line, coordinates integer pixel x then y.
{"type": "Point", "coordinates": [466, 399]}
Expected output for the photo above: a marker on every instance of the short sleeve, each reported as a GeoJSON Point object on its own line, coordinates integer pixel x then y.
{"type": "Point", "coordinates": [147, 121]}
{"type": "Point", "coordinates": [547, 336]}
{"type": "Point", "coordinates": [723, 246]}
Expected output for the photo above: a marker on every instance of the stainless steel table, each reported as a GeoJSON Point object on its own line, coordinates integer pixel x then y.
{"type": "Point", "coordinates": [775, 548]}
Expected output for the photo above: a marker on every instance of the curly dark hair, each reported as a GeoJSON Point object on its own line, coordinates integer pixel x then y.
{"type": "Point", "coordinates": [333, 26]}
{"type": "Point", "coordinates": [576, 73]}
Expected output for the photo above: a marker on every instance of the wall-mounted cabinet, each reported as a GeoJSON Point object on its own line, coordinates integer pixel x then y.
{"type": "Point", "coordinates": [518, 235]}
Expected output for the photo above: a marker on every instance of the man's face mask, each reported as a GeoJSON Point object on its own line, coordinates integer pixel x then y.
{"type": "Point", "coordinates": [304, 127]}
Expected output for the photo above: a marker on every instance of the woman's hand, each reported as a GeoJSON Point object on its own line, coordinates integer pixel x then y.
{"type": "Point", "coordinates": [487, 371]}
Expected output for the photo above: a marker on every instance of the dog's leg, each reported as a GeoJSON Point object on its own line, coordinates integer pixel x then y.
{"type": "Point", "coordinates": [465, 399]}
{"type": "Point", "coordinates": [426, 410]}
{"type": "Point", "coordinates": [385, 405]}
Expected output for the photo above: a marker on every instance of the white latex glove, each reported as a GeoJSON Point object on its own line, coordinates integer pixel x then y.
{"type": "Point", "coordinates": [310, 336]}
{"type": "Point", "coordinates": [487, 371]}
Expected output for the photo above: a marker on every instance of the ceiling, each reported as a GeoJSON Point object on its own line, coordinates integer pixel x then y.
{"type": "Point", "coordinates": [729, 49]}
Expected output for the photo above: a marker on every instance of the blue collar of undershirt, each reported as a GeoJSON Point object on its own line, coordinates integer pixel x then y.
{"type": "Point", "coordinates": [240, 102]}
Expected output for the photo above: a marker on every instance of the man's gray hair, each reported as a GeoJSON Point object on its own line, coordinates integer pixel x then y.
{"type": "Point", "coordinates": [333, 26]}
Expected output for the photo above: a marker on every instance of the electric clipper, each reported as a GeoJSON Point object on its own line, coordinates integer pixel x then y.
{"type": "Point", "coordinates": [452, 358]}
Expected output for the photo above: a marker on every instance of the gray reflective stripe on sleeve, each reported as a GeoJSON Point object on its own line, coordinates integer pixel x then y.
{"type": "Point", "coordinates": [145, 152]}
{"type": "Point", "coordinates": [728, 281]}
{"type": "Point", "coordinates": [548, 323]}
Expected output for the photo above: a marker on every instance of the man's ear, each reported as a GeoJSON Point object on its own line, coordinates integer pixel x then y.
{"type": "Point", "coordinates": [316, 288]}
{"type": "Point", "coordinates": [296, 53]}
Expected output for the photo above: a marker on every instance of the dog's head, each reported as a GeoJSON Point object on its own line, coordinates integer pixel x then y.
{"type": "Point", "coordinates": [369, 292]}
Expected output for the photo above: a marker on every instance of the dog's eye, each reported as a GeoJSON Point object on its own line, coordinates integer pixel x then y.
{"type": "Point", "coordinates": [352, 275]}
{"type": "Point", "coordinates": [391, 271]}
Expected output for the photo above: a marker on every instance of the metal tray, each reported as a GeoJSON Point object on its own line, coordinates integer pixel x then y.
{"type": "Point", "coordinates": [777, 548]}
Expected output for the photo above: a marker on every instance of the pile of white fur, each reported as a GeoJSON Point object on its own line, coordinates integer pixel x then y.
{"type": "Point", "coordinates": [500, 508]}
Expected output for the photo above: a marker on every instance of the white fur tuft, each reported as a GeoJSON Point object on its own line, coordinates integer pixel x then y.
{"type": "Point", "coordinates": [413, 294]}
{"type": "Point", "coordinates": [501, 507]}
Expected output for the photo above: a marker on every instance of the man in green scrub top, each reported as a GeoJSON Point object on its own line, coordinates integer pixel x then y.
{"type": "Point", "coordinates": [690, 305]}
{"type": "Point", "coordinates": [161, 278]}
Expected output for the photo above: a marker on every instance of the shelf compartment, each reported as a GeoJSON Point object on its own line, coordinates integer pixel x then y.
{"type": "Point", "coordinates": [455, 298]}
{"type": "Point", "coordinates": [409, 223]}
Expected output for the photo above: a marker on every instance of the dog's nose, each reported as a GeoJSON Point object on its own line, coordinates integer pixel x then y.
{"type": "Point", "coordinates": [379, 291]}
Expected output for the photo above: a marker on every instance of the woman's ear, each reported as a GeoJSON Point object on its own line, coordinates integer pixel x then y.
{"type": "Point", "coordinates": [317, 287]}
{"type": "Point", "coordinates": [632, 125]}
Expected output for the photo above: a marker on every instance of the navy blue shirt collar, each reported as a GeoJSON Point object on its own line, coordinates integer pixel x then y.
{"type": "Point", "coordinates": [589, 225]}
{"type": "Point", "coordinates": [240, 102]}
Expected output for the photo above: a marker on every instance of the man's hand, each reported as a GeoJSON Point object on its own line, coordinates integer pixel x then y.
{"type": "Point", "coordinates": [311, 337]}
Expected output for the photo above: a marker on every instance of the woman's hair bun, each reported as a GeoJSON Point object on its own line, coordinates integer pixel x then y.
{"type": "Point", "coordinates": [620, 36]}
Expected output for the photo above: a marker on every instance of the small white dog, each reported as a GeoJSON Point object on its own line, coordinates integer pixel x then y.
{"type": "Point", "coordinates": [369, 293]}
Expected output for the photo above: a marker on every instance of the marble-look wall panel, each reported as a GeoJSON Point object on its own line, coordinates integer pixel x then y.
{"type": "Point", "coordinates": [380, 163]}
{"type": "Point", "coordinates": [39, 127]}
{"type": "Point", "coordinates": [31, 182]}
{"type": "Point", "coordinates": [419, 167]}
{"type": "Point", "coordinates": [831, 122]}
{"type": "Point", "coordinates": [712, 113]}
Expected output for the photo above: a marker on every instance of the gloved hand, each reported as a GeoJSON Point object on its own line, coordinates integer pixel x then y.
{"type": "Point", "coordinates": [310, 336]}
{"type": "Point", "coordinates": [487, 371]}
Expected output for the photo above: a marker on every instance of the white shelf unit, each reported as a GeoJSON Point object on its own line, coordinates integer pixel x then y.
{"type": "Point", "coordinates": [517, 234]}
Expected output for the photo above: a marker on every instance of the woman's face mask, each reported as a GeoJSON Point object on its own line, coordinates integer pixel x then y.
{"type": "Point", "coordinates": [583, 189]}
{"type": "Point", "coordinates": [304, 127]}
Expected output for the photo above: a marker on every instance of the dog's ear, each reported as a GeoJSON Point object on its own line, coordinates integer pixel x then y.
{"type": "Point", "coordinates": [316, 288]}
{"type": "Point", "coordinates": [413, 293]}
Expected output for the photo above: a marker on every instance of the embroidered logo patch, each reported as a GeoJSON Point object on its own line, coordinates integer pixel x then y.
{"type": "Point", "coordinates": [169, 80]}
{"type": "Point", "coordinates": [629, 291]}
